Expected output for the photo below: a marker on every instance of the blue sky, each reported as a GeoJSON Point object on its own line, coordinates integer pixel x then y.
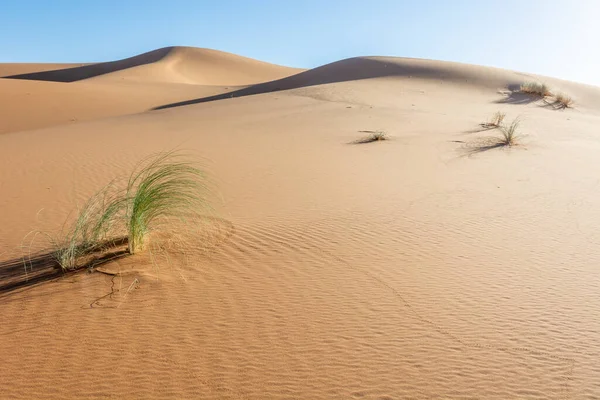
{"type": "Point", "coordinates": [550, 37]}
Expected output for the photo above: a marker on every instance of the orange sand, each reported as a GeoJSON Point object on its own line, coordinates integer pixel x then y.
{"type": "Point", "coordinates": [414, 268]}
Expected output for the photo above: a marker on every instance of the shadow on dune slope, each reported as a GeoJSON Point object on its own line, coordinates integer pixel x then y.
{"type": "Point", "coordinates": [89, 71]}
{"type": "Point", "coordinates": [515, 96]}
{"type": "Point", "coordinates": [360, 68]}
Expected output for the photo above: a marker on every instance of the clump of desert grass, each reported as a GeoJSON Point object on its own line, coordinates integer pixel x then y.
{"type": "Point", "coordinates": [164, 187]}
{"type": "Point", "coordinates": [91, 232]}
{"type": "Point", "coordinates": [495, 121]}
{"type": "Point", "coordinates": [510, 133]}
{"type": "Point", "coordinates": [373, 136]}
{"type": "Point", "coordinates": [510, 136]}
{"type": "Point", "coordinates": [536, 89]}
{"type": "Point", "coordinates": [557, 100]}
{"type": "Point", "coordinates": [161, 188]}
{"type": "Point", "coordinates": [562, 101]}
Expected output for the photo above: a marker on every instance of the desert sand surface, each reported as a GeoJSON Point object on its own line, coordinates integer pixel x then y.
{"type": "Point", "coordinates": [128, 86]}
{"type": "Point", "coordinates": [426, 266]}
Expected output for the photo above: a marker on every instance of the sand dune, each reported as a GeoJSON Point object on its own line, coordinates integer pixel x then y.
{"type": "Point", "coordinates": [59, 103]}
{"type": "Point", "coordinates": [9, 69]}
{"type": "Point", "coordinates": [121, 87]}
{"type": "Point", "coordinates": [171, 64]}
{"type": "Point", "coordinates": [413, 268]}
{"type": "Point", "coordinates": [204, 67]}
{"type": "Point", "coordinates": [427, 71]}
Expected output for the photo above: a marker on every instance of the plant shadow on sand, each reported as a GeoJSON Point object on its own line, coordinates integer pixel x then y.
{"type": "Point", "coordinates": [514, 96]}
{"type": "Point", "coordinates": [483, 145]}
{"type": "Point", "coordinates": [483, 127]}
{"type": "Point", "coordinates": [30, 270]}
{"type": "Point", "coordinates": [26, 270]}
{"type": "Point", "coordinates": [557, 104]}
{"type": "Point", "coordinates": [495, 122]}
{"type": "Point", "coordinates": [373, 136]}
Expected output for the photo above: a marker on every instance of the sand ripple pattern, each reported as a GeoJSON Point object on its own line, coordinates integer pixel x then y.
{"type": "Point", "coordinates": [355, 306]}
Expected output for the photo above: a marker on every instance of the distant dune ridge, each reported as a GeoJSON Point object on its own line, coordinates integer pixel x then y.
{"type": "Point", "coordinates": [372, 238]}
{"type": "Point", "coordinates": [66, 93]}
{"type": "Point", "coordinates": [173, 65]}
{"type": "Point", "coordinates": [360, 68]}
{"type": "Point", "coordinates": [177, 76]}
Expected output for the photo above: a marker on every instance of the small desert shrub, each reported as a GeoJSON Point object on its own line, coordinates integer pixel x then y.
{"type": "Point", "coordinates": [495, 121]}
{"type": "Point", "coordinates": [498, 118]}
{"type": "Point", "coordinates": [161, 187]}
{"type": "Point", "coordinates": [164, 187]}
{"type": "Point", "coordinates": [561, 100]}
{"type": "Point", "coordinates": [536, 89]}
{"type": "Point", "coordinates": [374, 136]}
{"type": "Point", "coordinates": [510, 133]}
{"type": "Point", "coordinates": [91, 230]}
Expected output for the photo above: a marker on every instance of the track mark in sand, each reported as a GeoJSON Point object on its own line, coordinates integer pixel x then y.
{"type": "Point", "coordinates": [96, 303]}
{"type": "Point", "coordinates": [309, 243]}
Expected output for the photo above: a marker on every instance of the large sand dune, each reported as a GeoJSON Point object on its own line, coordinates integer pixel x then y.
{"type": "Point", "coordinates": [169, 64]}
{"type": "Point", "coordinates": [415, 268]}
{"type": "Point", "coordinates": [361, 68]}
{"type": "Point", "coordinates": [65, 93]}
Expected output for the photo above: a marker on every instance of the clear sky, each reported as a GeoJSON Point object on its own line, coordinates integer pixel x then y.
{"type": "Point", "coordinates": [551, 37]}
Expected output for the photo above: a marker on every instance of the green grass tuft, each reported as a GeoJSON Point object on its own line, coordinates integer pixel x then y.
{"type": "Point", "coordinates": [164, 187]}
{"type": "Point", "coordinates": [91, 231]}
{"type": "Point", "coordinates": [510, 133]}
{"type": "Point", "coordinates": [161, 187]}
